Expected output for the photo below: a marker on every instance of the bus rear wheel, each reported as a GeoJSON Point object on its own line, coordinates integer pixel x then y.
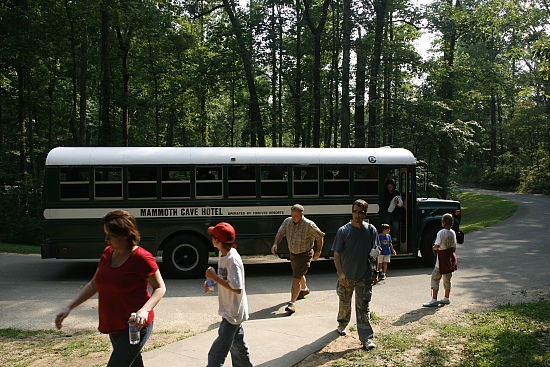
{"type": "Point", "coordinates": [185, 256]}
{"type": "Point", "coordinates": [426, 246]}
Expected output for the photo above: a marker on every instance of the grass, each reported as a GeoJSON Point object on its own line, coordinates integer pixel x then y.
{"type": "Point", "coordinates": [509, 336]}
{"type": "Point", "coordinates": [480, 211]}
{"type": "Point", "coordinates": [19, 249]}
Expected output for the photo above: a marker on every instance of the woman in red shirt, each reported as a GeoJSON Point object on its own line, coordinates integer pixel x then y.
{"type": "Point", "coordinates": [121, 280]}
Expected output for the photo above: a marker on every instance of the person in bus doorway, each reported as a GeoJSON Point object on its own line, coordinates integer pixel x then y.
{"type": "Point", "coordinates": [386, 252]}
{"type": "Point", "coordinates": [393, 204]}
{"type": "Point", "coordinates": [356, 247]}
{"type": "Point", "coordinates": [233, 304]}
{"type": "Point", "coordinates": [122, 278]}
{"type": "Point", "coordinates": [445, 263]}
{"type": "Point", "coordinates": [300, 233]}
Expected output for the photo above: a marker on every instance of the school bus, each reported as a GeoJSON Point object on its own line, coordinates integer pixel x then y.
{"type": "Point", "coordinates": [176, 193]}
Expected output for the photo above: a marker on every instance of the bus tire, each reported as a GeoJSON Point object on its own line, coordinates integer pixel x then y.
{"type": "Point", "coordinates": [426, 246]}
{"type": "Point", "coordinates": [185, 256]}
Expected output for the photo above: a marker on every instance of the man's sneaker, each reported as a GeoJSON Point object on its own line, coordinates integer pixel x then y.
{"type": "Point", "coordinates": [369, 345]}
{"type": "Point", "coordinates": [341, 330]}
{"type": "Point", "coordinates": [290, 308]}
{"type": "Point", "coordinates": [431, 303]}
{"type": "Point", "coordinates": [382, 276]}
{"type": "Point", "coordinates": [444, 301]}
{"type": "Point", "coordinates": [303, 294]}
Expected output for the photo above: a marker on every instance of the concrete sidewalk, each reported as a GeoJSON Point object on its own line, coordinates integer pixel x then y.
{"type": "Point", "coordinates": [274, 342]}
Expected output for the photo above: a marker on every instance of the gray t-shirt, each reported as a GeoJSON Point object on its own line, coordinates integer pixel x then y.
{"type": "Point", "coordinates": [354, 245]}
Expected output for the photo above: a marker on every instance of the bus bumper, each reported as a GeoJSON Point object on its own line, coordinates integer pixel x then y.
{"type": "Point", "coordinates": [49, 251]}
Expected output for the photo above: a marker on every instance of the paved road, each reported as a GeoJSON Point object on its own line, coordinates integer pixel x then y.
{"type": "Point", "coordinates": [510, 256]}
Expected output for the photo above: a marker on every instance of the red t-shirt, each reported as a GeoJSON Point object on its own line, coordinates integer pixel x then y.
{"type": "Point", "coordinates": [123, 290]}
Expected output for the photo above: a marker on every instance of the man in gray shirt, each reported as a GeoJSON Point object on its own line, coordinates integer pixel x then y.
{"type": "Point", "coordinates": [356, 271]}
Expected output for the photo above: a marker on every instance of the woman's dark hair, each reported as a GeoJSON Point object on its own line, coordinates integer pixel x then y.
{"type": "Point", "coordinates": [122, 223]}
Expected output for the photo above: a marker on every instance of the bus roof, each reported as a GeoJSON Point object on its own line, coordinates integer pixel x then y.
{"type": "Point", "coordinates": [108, 156]}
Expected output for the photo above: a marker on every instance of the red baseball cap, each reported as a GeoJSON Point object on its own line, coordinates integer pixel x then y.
{"type": "Point", "coordinates": [224, 232]}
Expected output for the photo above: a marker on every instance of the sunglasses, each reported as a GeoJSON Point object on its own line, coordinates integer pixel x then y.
{"type": "Point", "coordinates": [361, 212]}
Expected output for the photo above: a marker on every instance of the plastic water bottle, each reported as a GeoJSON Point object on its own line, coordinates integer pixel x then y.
{"type": "Point", "coordinates": [210, 284]}
{"type": "Point", "coordinates": [133, 331]}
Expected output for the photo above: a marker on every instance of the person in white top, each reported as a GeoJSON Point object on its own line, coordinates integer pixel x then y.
{"type": "Point", "coordinates": [445, 241]}
{"type": "Point", "coordinates": [233, 304]}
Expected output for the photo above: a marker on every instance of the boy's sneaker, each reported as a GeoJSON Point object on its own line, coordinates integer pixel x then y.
{"type": "Point", "coordinates": [369, 345]}
{"type": "Point", "coordinates": [303, 294]}
{"type": "Point", "coordinates": [341, 330]}
{"type": "Point", "coordinates": [431, 303]}
{"type": "Point", "coordinates": [382, 276]}
{"type": "Point", "coordinates": [444, 301]}
{"type": "Point", "coordinates": [290, 308]}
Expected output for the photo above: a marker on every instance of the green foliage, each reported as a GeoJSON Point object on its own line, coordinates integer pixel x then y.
{"type": "Point", "coordinates": [19, 223]}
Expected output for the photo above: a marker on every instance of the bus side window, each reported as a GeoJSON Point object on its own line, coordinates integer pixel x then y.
{"type": "Point", "coordinates": [306, 181]}
{"type": "Point", "coordinates": [176, 182]}
{"type": "Point", "coordinates": [209, 182]}
{"type": "Point", "coordinates": [74, 183]}
{"type": "Point", "coordinates": [108, 183]}
{"type": "Point", "coordinates": [339, 184]}
{"type": "Point", "coordinates": [274, 181]}
{"type": "Point", "coordinates": [365, 180]}
{"type": "Point", "coordinates": [142, 182]}
{"type": "Point", "coordinates": [242, 181]}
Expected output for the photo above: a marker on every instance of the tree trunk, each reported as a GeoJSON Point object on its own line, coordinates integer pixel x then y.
{"type": "Point", "coordinates": [360, 85]}
{"type": "Point", "coordinates": [124, 46]}
{"type": "Point", "coordinates": [298, 78]}
{"type": "Point", "coordinates": [83, 84]}
{"type": "Point", "coordinates": [317, 32]}
{"type": "Point", "coordinates": [105, 104]}
{"type": "Point", "coordinates": [346, 52]}
{"type": "Point", "coordinates": [254, 104]}
{"type": "Point", "coordinates": [380, 7]}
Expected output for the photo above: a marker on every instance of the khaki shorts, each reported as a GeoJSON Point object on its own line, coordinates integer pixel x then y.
{"type": "Point", "coordinates": [300, 263]}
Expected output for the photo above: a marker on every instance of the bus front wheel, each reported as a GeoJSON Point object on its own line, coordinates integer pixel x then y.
{"type": "Point", "coordinates": [185, 256]}
{"type": "Point", "coordinates": [426, 246]}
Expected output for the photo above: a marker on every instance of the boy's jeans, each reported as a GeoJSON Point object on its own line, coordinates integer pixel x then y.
{"type": "Point", "coordinates": [230, 338]}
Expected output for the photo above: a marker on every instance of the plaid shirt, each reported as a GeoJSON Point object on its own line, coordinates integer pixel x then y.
{"type": "Point", "coordinates": [300, 236]}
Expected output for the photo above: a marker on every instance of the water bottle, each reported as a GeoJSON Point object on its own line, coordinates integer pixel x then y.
{"type": "Point", "coordinates": [133, 330]}
{"type": "Point", "coordinates": [210, 284]}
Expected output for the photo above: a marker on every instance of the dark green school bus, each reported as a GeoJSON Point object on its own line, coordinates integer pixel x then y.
{"type": "Point", "coordinates": [176, 193]}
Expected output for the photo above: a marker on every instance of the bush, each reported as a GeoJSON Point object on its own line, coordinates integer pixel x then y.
{"type": "Point", "coordinates": [502, 178]}
{"type": "Point", "coordinates": [535, 181]}
{"type": "Point", "coordinates": [19, 223]}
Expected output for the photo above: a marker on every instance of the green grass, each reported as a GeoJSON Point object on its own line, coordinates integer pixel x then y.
{"type": "Point", "coordinates": [509, 336]}
{"type": "Point", "coordinates": [480, 211]}
{"type": "Point", "coordinates": [19, 249]}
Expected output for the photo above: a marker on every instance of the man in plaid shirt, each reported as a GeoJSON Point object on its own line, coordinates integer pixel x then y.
{"type": "Point", "coordinates": [300, 233]}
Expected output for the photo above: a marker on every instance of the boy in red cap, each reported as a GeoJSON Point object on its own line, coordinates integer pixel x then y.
{"type": "Point", "coordinates": [233, 305]}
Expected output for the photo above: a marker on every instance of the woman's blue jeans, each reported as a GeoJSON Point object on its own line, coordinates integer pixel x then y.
{"type": "Point", "coordinates": [230, 339]}
{"type": "Point", "coordinates": [126, 354]}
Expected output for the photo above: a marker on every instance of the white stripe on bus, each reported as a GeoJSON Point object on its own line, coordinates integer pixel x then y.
{"type": "Point", "coordinates": [197, 212]}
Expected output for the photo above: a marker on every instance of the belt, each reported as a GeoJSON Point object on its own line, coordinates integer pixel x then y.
{"type": "Point", "coordinates": [301, 253]}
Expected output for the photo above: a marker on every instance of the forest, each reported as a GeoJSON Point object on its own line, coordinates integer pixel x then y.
{"type": "Point", "coordinates": [304, 73]}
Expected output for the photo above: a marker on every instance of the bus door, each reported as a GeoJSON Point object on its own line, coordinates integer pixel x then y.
{"type": "Point", "coordinates": [404, 186]}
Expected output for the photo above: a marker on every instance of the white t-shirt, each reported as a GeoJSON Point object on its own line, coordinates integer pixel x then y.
{"type": "Point", "coordinates": [446, 238]}
{"type": "Point", "coordinates": [233, 306]}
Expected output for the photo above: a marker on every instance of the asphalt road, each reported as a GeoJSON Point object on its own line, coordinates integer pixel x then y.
{"type": "Point", "coordinates": [494, 263]}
